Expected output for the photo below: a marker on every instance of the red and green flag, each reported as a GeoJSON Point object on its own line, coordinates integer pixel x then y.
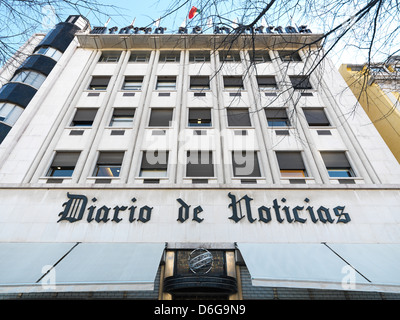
{"type": "Point", "coordinates": [194, 11]}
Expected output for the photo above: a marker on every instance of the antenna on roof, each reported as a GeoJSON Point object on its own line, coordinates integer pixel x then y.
{"type": "Point", "coordinates": [108, 21]}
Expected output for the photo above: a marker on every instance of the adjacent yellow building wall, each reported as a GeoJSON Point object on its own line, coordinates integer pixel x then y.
{"type": "Point", "coordinates": [382, 112]}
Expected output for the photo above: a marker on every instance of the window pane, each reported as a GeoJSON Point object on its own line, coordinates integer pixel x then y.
{"type": "Point", "coordinates": [290, 160]}
{"type": "Point", "coordinates": [160, 117]}
{"type": "Point", "coordinates": [199, 56]}
{"type": "Point", "coordinates": [199, 164]}
{"type": "Point", "coordinates": [139, 56]}
{"type": "Point", "coordinates": [122, 117]}
{"type": "Point", "coordinates": [63, 164]}
{"type": "Point", "coordinates": [199, 117]}
{"type": "Point", "coordinates": [229, 56]}
{"type": "Point", "coordinates": [108, 164]}
{"type": "Point", "coordinates": [338, 173]}
{"type": "Point", "coordinates": [166, 83]}
{"type": "Point", "coordinates": [110, 56]}
{"type": "Point", "coordinates": [266, 82]}
{"type": "Point", "coordinates": [84, 117]}
{"type": "Point", "coordinates": [199, 83]}
{"type": "Point", "coordinates": [99, 83]}
{"type": "Point", "coordinates": [277, 117]}
{"type": "Point", "coordinates": [132, 83]}
{"type": "Point", "coordinates": [154, 164]}
{"type": "Point", "coordinates": [233, 82]}
{"type": "Point", "coordinates": [245, 164]}
{"type": "Point", "coordinates": [238, 117]}
{"type": "Point", "coordinates": [300, 82]}
{"type": "Point", "coordinates": [316, 117]}
{"type": "Point", "coordinates": [288, 56]}
{"type": "Point", "coordinates": [170, 56]}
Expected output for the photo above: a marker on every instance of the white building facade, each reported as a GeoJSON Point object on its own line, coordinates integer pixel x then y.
{"type": "Point", "coordinates": [167, 166]}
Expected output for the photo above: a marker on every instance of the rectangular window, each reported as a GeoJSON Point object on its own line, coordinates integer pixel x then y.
{"type": "Point", "coordinates": [199, 83]}
{"type": "Point", "coordinates": [229, 56]}
{"type": "Point", "coordinates": [140, 56]}
{"type": "Point", "coordinates": [199, 117]}
{"type": "Point", "coordinates": [108, 164]}
{"type": "Point", "coordinates": [99, 83]}
{"type": "Point", "coordinates": [49, 52]}
{"type": "Point", "coordinates": [300, 82]}
{"type": "Point", "coordinates": [238, 117]}
{"type": "Point", "coordinates": [166, 83]}
{"type": "Point", "coordinates": [245, 164]}
{"type": "Point", "coordinates": [111, 56]}
{"type": "Point", "coordinates": [84, 117]}
{"type": "Point", "coordinates": [266, 83]}
{"type": "Point", "coordinates": [233, 82]}
{"type": "Point", "coordinates": [277, 117]}
{"type": "Point", "coordinates": [288, 56]}
{"type": "Point", "coordinates": [122, 117]}
{"type": "Point", "coordinates": [170, 56]}
{"type": "Point", "coordinates": [259, 56]}
{"type": "Point", "coordinates": [154, 164]}
{"type": "Point", "coordinates": [337, 164]}
{"type": "Point", "coordinates": [63, 164]}
{"type": "Point", "coordinates": [199, 164]}
{"type": "Point", "coordinates": [132, 83]}
{"type": "Point", "coordinates": [161, 117]}
{"type": "Point", "coordinates": [199, 56]}
{"type": "Point", "coordinates": [316, 117]}
{"type": "Point", "coordinates": [291, 164]}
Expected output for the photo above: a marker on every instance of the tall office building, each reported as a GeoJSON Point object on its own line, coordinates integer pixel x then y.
{"type": "Point", "coordinates": [376, 87]}
{"type": "Point", "coordinates": [148, 165]}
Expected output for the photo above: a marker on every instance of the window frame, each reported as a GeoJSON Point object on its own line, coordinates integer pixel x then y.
{"type": "Point", "coordinates": [233, 117]}
{"type": "Point", "coordinates": [313, 123]}
{"type": "Point", "coordinates": [123, 113]}
{"type": "Point", "coordinates": [166, 79]}
{"type": "Point", "coordinates": [170, 119]}
{"type": "Point", "coordinates": [55, 167]}
{"type": "Point", "coordinates": [255, 173]}
{"type": "Point", "coordinates": [191, 121]}
{"type": "Point", "coordinates": [157, 169]}
{"type": "Point", "coordinates": [29, 77]}
{"type": "Point", "coordinates": [10, 113]}
{"type": "Point", "coordinates": [288, 169]}
{"type": "Point", "coordinates": [112, 165]}
{"type": "Point", "coordinates": [203, 167]}
{"type": "Point", "coordinates": [138, 80]}
{"type": "Point", "coordinates": [277, 119]}
{"type": "Point", "coordinates": [87, 121]}
{"type": "Point", "coordinates": [100, 87]}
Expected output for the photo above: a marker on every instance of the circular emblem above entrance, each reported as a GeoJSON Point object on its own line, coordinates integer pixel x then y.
{"type": "Point", "coordinates": [200, 261]}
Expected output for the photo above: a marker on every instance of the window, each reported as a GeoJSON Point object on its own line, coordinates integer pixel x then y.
{"type": "Point", "coordinates": [199, 164]}
{"type": "Point", "coordinates": [245, 164]}
{"type": "Point", "coordinates": [337, 164]}
{"type": "Point", "coordinates": [122, 117]}
{"type": "Point", "coordinates": [142, 56]}
{"type": "Point", "coordinates": [166, 83]}
{"type": "Point", "coordinates": [49, 52]}
{"type": "Point", "coordinates": [9, 113]}
{"type": "Point", "coordinates": [99, 83]}
{"type": "Point", "coordinates": [63, 164]}
{"type": "Point", "coordinates": [154, 164]}
{"type": "Point", "coordinates": [291, 164]}
{"type": "Point", "coordinates": [171, 56]}
{"type": "Point", "coordinates": [259, 56]}
{"type": "Point", "coordinates": [288, 56]}
{"type": "Point", "coordinates": [199, 56]}
{"type": "Point", "coordinates": [84, 117]}
{"type": "Point", "coordinates": [199, 117]}
{"type": "Point", "coordinates": [112, 56]}
{"type": "Point", "coordinates": [277, 117]}
{"type": "Point", "coordinates": [300, 82]}
{"type": "Point", "coordinates": [108, 164]}
{"type": "Point", "coordinates": [266, 82]}
{"type": "Point", "coordinates": [229, 56]}
{"type": "Point", "coordinates": [31, 78]}
{"type": "Point", "coordinates": [316, 117]}
{"type": "Point", "coordinates": [132, 83]}
{"type": "Point", "coordinates": [161, 117]}
{"type": "Point", "coordinates": [233, 82]}
{"type": "Point", "coordinates": [200, 83]}
{"type": "Point", "coordinates": [238, 117]}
